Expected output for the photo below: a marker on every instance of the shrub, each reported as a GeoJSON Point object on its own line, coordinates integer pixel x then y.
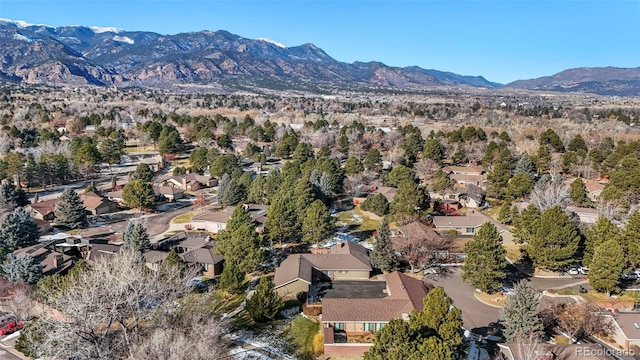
{"type": "Point", "coordinates": [318, 344]}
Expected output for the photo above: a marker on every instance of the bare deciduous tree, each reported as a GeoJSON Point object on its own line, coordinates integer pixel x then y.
{"type": "Point", "coordinates": [113, 308]}
{"type": "Point", "coordinates": [581, 320]}
{"type": "Point", "coordinates": [550, 193]}
{"type": "Point", "coordinates": [426, 168]}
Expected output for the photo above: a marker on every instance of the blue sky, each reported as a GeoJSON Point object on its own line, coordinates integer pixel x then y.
{"type": "Point", "coordinates": [501, 40]}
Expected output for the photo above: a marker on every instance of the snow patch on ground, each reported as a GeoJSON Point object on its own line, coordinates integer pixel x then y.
{"type": "Point", "coordinates": [124, 39]}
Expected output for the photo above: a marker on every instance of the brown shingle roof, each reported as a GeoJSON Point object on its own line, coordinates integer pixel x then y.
{"type": "Point", "coordinates": [295, 266]}
{"type": "Point", "coordinates": [92, 201]}
{"type": "Point", "coordinates": [202, 255]}
{"type": "Point", "coordinates": [44, 207]}
{"type": "Point", "coordinates": [420, 230]}
{"type": "Point", "coordinates": [405, 295]}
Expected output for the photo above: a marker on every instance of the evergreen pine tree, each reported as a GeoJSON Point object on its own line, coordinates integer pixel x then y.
{"type": "Point", "coordinates": [265, 304]}
{"type": "Point", "coordinates": [439, 314]}
{"type": "Point", "coordinates": [597, 235]}
{"type": "Point", "coordinates": [504, 215]}
{"type": "Point", "coordinates": [282, 222]}
{"type": "Point", "coordinates": [408, 202]}
{"type": "Point", "coordinates": [232, 278]}
{"type": "Point", "coordinates": [136, 238]}
{"type": "Point", "coordinates": [498, 179]}
{"type": "Point", "coordinates": [303, 195]}
{"type": "Point", "coordinates": [377, 204]}
{"type": "Point", "coordinates": [18, 230]}
{"type": "Point", "coordinates": [383, 256]}
{"type": "Point", "coordinates": [256, 191]}
{"type": "Point", "coordinates": [525, 165]}
{"type": "Point", "coordinates": [525, 222]}
{"type": "Point", "coordinates": [223, 184]}
{"type": "Point", "coordinates": [70, 211]}
{"type": "Point", "coordinates": [317, 224]}
{"type": "Point", "coordinates": [578, 193]}
{"type": "Point", "coordinates": [485, 265]}
{"type": "Point", "coordinates": [143, 172]}
{"type": "Point", "coordinates": [520, 316]}
{"type": "Point", "coordinates": [554, 240]}
{"type": "Point", "coordinates": [23, 269]}
{"type": "Point", "coordinates": [606, 266]}
{"type": "Point", "coordinates": [239, 242]}
{"type": "Point", "coordinates": [629, 240]}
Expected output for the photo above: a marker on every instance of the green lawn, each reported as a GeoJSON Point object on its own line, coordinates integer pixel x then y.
{"type": "Point", "coordinates": [593, 295]}
{"type": "Point", "coordinates": [356, 218]}
{"type": "Point", "coordinates": [183, 218]}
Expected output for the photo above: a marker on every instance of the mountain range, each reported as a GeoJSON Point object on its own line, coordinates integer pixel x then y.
{"type": "Point", "coordinates": [103, 56]}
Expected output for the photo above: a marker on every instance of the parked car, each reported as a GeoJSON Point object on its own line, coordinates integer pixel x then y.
{"type": "Point", "coordinates": [583, 270]}
{"type": "Point", "coordinates": [633, 275]}
{"type": "Point", "coordinates": [573, 271]}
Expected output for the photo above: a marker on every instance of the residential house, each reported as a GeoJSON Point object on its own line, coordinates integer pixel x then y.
{"type": "Point", "coordinates": [153, 258]}
{"type": "Point", "coordinates": [387, 191]}
{"type": "Point", "coordinates": [169, 192]}
{"type": "Point", "coordinates": [471, 196]}
{"type": "Point", "coordinates": [55, 256]}
{"type": "Point", "coordinates": [594, 188]}
{"type": "Point", "coordinates": [215, 220]}
{"type": "Point", "coordinates": [196, 250]}
{"type": "Point", "coordinates": [349, 324]}
{"type": "Point", "coordinates": [115, 196]}
{"type": "Point", "coordinates": [96, 204]}
{"type": "Point", "coordinates": [208, 262]}
{"type": "Point", "coordinates": [467, 175]}
{"type": "Point", "coordinates": [345, 260]}
{"type": "Point", "coordinates": [469, 223]}
{"type": "Point", "coordinates": [189, 182]}
{"type": "Point", "coordinates": [43, 210]}
{"type": "Point", "coordinates": [626, 329]}
{"type": "Point", "coordinates": [586, 215]}
{"type": "Point", "coordinates": [100, 251]}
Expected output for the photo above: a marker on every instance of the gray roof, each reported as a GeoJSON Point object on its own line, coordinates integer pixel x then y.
{"type": "Point", "coordinates": [202, 255]}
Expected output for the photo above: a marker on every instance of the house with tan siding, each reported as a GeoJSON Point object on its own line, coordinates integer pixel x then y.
{"type": "Point", "coordinates": [345, 260]}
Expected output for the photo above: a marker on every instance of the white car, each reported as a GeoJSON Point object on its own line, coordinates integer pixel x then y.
{"type": "Point", "coordinates": [573, 271]}
{"type": "Point", "coordinates": [583, 270]}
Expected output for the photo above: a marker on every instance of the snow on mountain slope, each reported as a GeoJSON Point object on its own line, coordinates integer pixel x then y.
{"type": "Point", "coordinates": [123, 39]}
{"type": "Point", "coordinates": [273, 42]}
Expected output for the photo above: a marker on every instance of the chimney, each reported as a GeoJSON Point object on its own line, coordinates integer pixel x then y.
{"type": "Point", "coordinates": [184, 183]}
{"type": "Point", "coordinates": [57, 260]}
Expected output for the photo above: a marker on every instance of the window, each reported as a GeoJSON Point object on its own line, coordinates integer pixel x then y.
{"type": "Point", "coordinates": [369, 327]}
{"type": "Point", "coordinates": [469, 230]}
{"type": "Point", "coordinates": [379, 326]}
{"type": "Point", "coordinates": [343, 272]}
{"type": "Point", "coordinates": [338, 326]}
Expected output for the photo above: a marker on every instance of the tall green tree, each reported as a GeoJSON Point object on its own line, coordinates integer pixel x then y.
{"type": "Point", "coordinates": [398, 174]}
{"type": "Point", "coordinates": [304, 195]}
{"type": "Point", "coordinates": [520, 315]}
{"type": "Point", "coordinates": [239, 243]}
{"type": "Point", "coordinates": [606, 266]}
{"type": "Point", "coordinates": [110, 151]}
{"type": "Point", "coordinates": [383, 256]}
{"type": "Point", "coordinates": [434, 150]}
{"type": "Point", "coordinates": [11, 197]}
{"type": "Point", "coordinates": [70, 211]}
{"type": "Point", "coordinates": [438, 313]}
{"type": "Point", "coordinates": [18, 230]}
{"type": "Point", "coordinates": [554, 240]}
{"type": "Point", "coordinates": [377, 204]}
{"type": "Point", "coordinates": [199, 159]}
{"type": "Point", "coordinates": [524, 223]}
{"type": "Point", "coordinates": [597, 235]}
{"type": "Point", "coordinates": [232, 278]}
{"type": "Point", "coordinates": [136, 238]}
{"type": "Point", "coordinates": [520, 185]}
{"type": "Point", "coordinates": [169, 141]}
{"type": "Point", "coordinates": [629, 240]}
{"type": "Point", "coordinates": [282, 223]}
{"type": "Point", "coordinates": [143, 172]}
{"type": "Point", "coordinates": [578, 193]}
{"type": "Point", "coordinates": [317, 224]}
{"type": "Point", "coordinates": [498, 179]}
{"type": "Point", "coordinates": [485, 266]}
{"type": "Point", "coordinates": [353, 166]}
{"type": "Point", "coordinates": [138, 194]}
{"type": "Point", "coordinates": [373, 160]}
{"type": "Point", "coordinates": [409, 202]}
{"type": "Point", "coordinates": [265, 304]}
{"type": "Point", "coordinates": [224, 164]}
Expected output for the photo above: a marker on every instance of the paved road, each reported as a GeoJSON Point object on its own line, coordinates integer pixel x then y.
{"type": "Point", "coordinates": [475, 314]}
